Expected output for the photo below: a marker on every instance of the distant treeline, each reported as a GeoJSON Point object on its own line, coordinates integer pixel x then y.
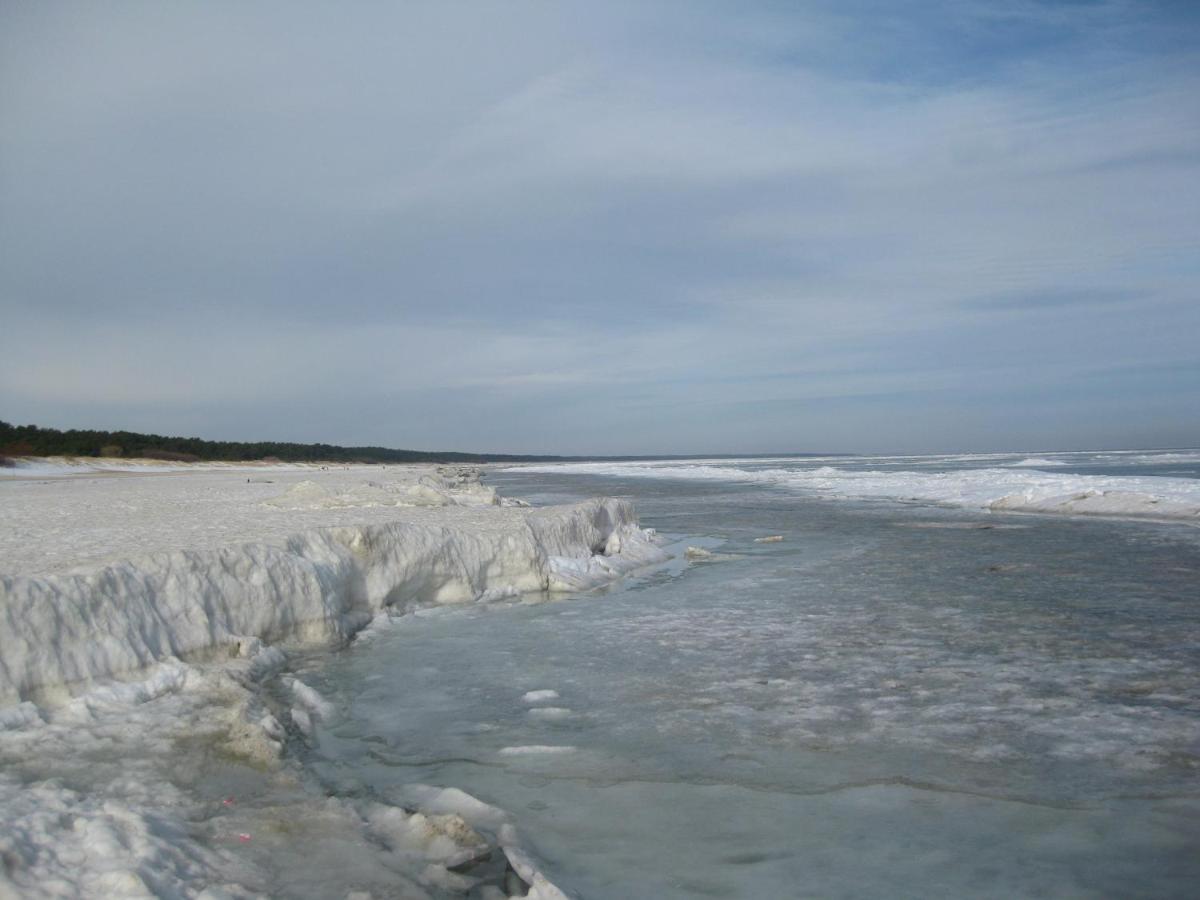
{"type": "Point", "coordinates": [30, 440]}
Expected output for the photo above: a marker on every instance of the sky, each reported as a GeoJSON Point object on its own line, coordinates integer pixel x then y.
{"type": "Point", "coordinates": [583, 228]}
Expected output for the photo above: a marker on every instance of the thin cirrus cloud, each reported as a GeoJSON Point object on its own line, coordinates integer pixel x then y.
{"type": "Point", "coordinates": [623, 228]}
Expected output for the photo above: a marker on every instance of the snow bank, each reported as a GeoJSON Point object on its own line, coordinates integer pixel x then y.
{"type": "Point", "coordinates": [98, 784]}
{"type": "Point", "coordinates": [325, 583]}
{"type": "Point", "coordinates": [448, 487]}
{"type": "Point", "coordinates": [63, 466]}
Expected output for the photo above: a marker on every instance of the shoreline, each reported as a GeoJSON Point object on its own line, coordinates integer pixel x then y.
{"type": "Point", "coordinates": [190, 645]}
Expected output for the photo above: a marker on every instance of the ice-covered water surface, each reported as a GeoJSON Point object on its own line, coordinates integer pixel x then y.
{"type": "Point", "coordinates": [1139, 484]}
{"type": "Point", "coordinates": [889, 701]}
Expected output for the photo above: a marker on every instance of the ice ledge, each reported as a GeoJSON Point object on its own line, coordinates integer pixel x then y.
{"type": "Point", "coordinates": [57, 630]}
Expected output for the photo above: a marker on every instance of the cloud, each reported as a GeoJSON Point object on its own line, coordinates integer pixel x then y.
{"type": "Point", "coordinates": [216, 215]}
{"type": "Point", "coordinates": [1057, 299]}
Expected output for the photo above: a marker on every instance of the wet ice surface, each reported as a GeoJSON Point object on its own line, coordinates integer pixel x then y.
{"type": "Point", "coordinates": [888, 701]}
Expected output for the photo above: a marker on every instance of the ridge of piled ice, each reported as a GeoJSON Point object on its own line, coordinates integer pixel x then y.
{"type": "Point", "coordinates": [88, 791]}
{"type": "Point", "coordinates": [329, 582]}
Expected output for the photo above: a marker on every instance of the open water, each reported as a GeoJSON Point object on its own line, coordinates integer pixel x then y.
{"type": "Point", "coordinates": [906, 696]}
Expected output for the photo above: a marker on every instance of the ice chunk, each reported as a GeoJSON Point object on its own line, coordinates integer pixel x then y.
{"type": "Point", "coordinates": [539, 696]}
{"type": "Point", "coordinates": [444, 838]}
{"type": "Point", "coordinates": [452, 800]}
{"type": "Point", "coordinates": [539, 887]}
{"type": "Point", "coordinates": [303, 720]}
{"type": "Point", "coordinates": [305, 495]}
{"type": "Point", "coordinates": [310, 699]}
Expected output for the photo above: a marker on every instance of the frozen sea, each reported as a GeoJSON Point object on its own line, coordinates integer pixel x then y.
{"type": "Point", "coordinates": [911, 694]}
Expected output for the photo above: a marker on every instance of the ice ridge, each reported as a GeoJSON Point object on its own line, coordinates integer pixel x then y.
{"type": "Point", "coordinates": [325, 583]}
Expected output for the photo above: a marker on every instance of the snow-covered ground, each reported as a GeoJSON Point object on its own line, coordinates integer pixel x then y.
{"type": "Point", "coordinates": [142, 617]}
{"type": "Point", "coordinates": [76, 517]}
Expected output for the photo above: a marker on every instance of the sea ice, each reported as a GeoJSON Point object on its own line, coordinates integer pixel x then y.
{"type": "Point", "coordinates": [1018, 487]}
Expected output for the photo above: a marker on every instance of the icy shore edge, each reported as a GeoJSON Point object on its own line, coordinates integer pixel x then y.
{"type": "Point", "coordinates": [91, 678]}
{"type": "Point", "coordinates": [59, 630]}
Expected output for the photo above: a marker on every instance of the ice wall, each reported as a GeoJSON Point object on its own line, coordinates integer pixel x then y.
{"type": "Point", "coordinates": [325, 583]}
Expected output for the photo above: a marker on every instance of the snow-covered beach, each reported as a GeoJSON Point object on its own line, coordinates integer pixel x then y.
{"type": "Point", "coordinates": [147, 619]}
{"type": "Point", "coordinates": [636, 450]}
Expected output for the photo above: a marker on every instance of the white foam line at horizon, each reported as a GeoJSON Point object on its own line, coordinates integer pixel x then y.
{"type": "Point", "coordinates": [1014, 457]}
{"type": "Point", "coordinates": [1009, 489]}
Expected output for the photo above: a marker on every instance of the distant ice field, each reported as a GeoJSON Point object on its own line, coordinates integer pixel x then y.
{"type": "Point", "coordinates": [1136, 483]}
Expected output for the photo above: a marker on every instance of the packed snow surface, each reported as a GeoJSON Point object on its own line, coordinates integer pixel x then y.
{"type": "Point", "coordinates": [84, 518]}
{"type": "Point", "coordinates": [137, 612]}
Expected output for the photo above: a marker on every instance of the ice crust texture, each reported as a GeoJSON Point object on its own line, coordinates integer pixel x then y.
{"type": "Point", "coordinates": [94, 696]}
